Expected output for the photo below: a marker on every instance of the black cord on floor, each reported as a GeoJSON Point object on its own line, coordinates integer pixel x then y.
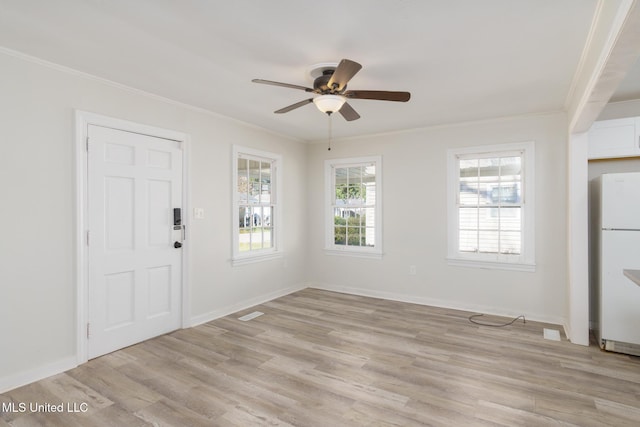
{"type": "Point", "coordinates": [473, 316]}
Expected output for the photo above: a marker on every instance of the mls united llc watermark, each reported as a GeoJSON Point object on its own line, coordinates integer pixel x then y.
{"type": "Point", "coordinates": [31, 407]}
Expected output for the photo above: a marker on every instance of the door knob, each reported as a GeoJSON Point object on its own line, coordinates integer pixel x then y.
{"type": "Point", "coordinates": [177, 245]}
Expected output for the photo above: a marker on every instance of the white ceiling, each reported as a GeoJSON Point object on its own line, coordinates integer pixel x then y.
{"type": "Point", "coordinates": [629, 88]}
{"type": "Point", "coordinates": [462, 60]}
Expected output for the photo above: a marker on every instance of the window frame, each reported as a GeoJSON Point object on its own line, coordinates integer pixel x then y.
{"type": "Point", "coordinates": [276, 251]}
{"type": "Point", "coordinates": [525, 261]}
{"type": "Point", "coordinates": [331, 248]}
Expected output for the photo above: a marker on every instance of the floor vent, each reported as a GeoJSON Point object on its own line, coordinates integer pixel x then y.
{"type": "Point", "coordinates": [551, 334]}
{"type": "Point", "coordinates": [250, 316]}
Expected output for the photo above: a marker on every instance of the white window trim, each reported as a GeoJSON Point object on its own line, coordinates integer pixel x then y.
{"type": "Point", "coordinates": [276, 251]}
{"type": "Point", "coordinates": [526, 260]}
{"type": "Point", "coordinates": [355, 251]}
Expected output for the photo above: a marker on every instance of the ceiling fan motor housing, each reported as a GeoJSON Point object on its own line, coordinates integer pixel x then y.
{"type": "Point", "coordinates": [321, 82]}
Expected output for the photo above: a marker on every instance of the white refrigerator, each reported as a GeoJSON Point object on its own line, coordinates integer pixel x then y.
{"type": "Point", "coordinates": [617, 248]}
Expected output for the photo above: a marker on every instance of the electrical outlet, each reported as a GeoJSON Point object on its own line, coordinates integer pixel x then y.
{"type": "Point", "coordinates": [412, 270]}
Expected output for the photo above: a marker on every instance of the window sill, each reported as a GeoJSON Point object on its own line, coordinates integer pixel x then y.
{"type": "Point", "coordinates": [492, 265]}
{"type": "Point", "coordinates": [244, 260]}
{"type": "Point", "coordinates": [355, 254]}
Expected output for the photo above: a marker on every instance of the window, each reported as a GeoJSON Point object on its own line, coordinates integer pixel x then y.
{"type": "Point", "coordinates": [256, 214]}
{"type": "Point", "coordinates": [491, 206]}
{"type": "Point", "coordinates": [353, 199]}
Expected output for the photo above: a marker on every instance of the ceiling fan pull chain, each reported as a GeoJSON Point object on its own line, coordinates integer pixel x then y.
{"type": "Point", "coordinates": [330, 130]}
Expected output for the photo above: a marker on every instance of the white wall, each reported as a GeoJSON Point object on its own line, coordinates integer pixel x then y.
{"type": "Point", "coordinates": [415, 231]}
{"type": "Point", "coordinates": [37, 248]}
{"type": "Point", "coordinates": [609, 53]}
{"type": "Point", "coordinates": [577, 303]}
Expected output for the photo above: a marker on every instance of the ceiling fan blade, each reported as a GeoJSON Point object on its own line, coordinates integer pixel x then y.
{"type": "Point", "coordinates": [290, 86]}
{"type": "Point", "coordinates": [344, 72]}
{"type": "Point", "coordinates": [294, 106]}
{"type": "Point", "coordinates": [348, 112]}
{"type": "Point", "coordinates": [381, 95]}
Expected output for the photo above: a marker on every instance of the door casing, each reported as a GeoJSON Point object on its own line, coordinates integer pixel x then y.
{"type": "Point", "coordinates": [82, 120]}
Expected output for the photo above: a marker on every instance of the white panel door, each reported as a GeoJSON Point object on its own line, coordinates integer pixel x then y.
{"type": "Point", "coordinates": [135, 272]}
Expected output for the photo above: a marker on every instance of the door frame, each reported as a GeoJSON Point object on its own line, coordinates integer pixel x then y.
{"type": "Point", "coordinates": [82, 120]}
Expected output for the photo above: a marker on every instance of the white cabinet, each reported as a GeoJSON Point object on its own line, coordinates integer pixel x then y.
{"type": "Point", "coordinates": [615, 138]}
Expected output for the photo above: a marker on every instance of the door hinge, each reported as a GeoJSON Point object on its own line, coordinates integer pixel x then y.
{"type": "Point", "coordinates": [88, 330]}
{"type": "Point", "coordinates": [88, 232]}
{"type": "Point", "coordinates": [87, 144]}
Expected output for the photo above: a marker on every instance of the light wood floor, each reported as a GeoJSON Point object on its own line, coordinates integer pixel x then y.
{"type": "Point", "coordinates": [318, 358]}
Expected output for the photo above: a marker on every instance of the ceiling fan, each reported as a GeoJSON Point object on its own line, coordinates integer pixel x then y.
{"type": "Point", "coordinates": [331, 85]}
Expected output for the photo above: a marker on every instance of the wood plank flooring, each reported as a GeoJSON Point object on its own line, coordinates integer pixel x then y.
{"type": "Point", "coordinates": [318, 358]}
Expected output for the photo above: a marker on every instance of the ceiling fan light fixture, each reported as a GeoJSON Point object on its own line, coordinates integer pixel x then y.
{"type": "Point", "coordinates": [329, 103]}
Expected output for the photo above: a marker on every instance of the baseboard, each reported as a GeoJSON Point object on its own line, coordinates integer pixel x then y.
{"type": "Point", "coordinates": [27, 377]}
{"type": "Point", "coordinates": [453, 305]}
{"type": "Point", "coordinates": [242, 305]}
{"type": "Point", "coordinates": [23, 378]}
{"type": "Point", "coordinates": [567, 330]}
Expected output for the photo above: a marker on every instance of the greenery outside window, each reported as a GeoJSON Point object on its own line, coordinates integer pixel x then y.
{"type": "Point", "coordinates": [353, 198]}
